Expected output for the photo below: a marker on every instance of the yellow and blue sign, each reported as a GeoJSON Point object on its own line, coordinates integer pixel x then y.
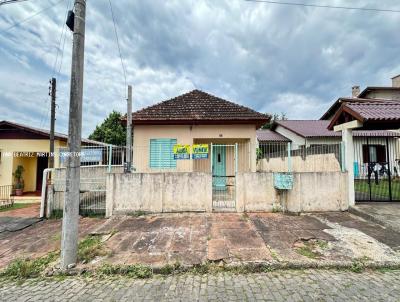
{"type": "Point", "coordinates": [181, 151]}
{"type": "Point", "coordinates": [200, 151]}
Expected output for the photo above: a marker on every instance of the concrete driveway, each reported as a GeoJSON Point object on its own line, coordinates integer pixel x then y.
{"type": "Point", "coordinates": [386, 214]}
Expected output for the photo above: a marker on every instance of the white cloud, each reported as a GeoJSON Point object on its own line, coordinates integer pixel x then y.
{"type": "Point", "coordinates": [269, 57]}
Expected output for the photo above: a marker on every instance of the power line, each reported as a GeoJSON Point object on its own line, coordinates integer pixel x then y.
{"type": "Point", "coordinates": [61, 36]}
{"type": "Point", "coordinates": [31, 17]}
{"type": "Point", "coordinates": [116, 37]}
{"type": "Point", "coordinates": [327, 6]}
{"type": "Point", "coordinates": [11, 1]}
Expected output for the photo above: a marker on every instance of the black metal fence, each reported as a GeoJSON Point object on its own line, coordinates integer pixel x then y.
{"type": "Point", "coordinates": [376, 169]}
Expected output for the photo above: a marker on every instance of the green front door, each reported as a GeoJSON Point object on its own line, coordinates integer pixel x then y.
{"type": "Point", "coordinates": [219, 167]}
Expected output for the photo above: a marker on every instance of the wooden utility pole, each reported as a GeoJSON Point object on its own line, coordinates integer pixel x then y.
{"type": "Point", "coordinates": [52, 121]}
{"type": "Point", "coordinates": [129, 131]}
{"type": "Point", "coordinates": [69, 239]}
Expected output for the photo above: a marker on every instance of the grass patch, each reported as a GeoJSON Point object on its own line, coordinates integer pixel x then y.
{"type": "Point", "coordinates": [56, 237]}
{"type": "Point", "coordinates": [307, 252]}
{"type": "Point", "coordinates": [311, 248]}
{"type": "Point", "coordinates": [28, 268]}
{"type": "Point", "coordinates": [90, 248]}
{"type": "Point", "coordinates": [378, 190]}
{"type": "Point", "coordinates": [170, 269]}
{"type": "Point", "coordinates": [134, 271]}
{"type": "Point", "coordinates": [137, 213]}
{"type": "Point", "coordinates": [15, 206]}
{"type": "Point", "coordinates": [56, 214]}
{"type": "Point", "coordinates": [244, 217]}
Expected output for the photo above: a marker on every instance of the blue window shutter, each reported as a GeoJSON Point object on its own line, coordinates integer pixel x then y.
{"type": "Point", "coordinates": [161, 153]}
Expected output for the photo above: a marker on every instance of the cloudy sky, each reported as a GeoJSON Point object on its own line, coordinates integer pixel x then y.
{"type": "Point", "coordinates": [272, 58]}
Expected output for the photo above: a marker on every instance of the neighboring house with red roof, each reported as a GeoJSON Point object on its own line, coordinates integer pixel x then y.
{"type": "Point", "coordinates": [192, 119]}
{"type": "Point", "coordinates": [29, 147]}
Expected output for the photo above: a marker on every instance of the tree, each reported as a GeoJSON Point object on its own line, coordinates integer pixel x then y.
{"type": "Point", "coordinates": [111, 131]}
{"type": "Point", "coordinates": [274, 117]}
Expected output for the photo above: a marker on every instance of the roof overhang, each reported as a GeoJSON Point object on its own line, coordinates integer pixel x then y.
{"type": "Point", "coordinates": [349, 125]}
{"type": "Point", "coordinates": [257, 122]}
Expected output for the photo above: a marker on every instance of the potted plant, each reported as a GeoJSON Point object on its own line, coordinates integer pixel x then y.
{"type": "Point", "coordinates": [19, 182]}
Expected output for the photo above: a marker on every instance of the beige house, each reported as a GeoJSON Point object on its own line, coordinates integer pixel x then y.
{"type": "Point", "coordinates": [29, 147]}
{"type": "Point", "coordinates": [226, 130]}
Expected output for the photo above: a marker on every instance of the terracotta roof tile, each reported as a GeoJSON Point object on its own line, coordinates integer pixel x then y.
{"type": "Point", "coordinates": [197, 106]}
{"type": "Point", "coordinates": [380, 111]}
{"type": "Point", "coordinates": [319, 128]}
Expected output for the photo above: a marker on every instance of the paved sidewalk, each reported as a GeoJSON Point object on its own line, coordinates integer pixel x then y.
{"type": "Point", "coordinates": [324, 239]}
{"type": "Point", "coordinates": [308, 285]}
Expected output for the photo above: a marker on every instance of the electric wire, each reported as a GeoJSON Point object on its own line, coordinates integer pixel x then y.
{"type": "Point", "coordinates": [31, 17]}
{"type": "Point", "coordinates": [373, 9]}
{"type": "Point", "coordinates": [119, 47]}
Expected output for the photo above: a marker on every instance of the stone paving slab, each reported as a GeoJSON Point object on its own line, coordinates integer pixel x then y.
{"type": "Point", "coordinates": [309, 285]}
{"type": "Point", "coordinates": [155, 240]}
{"type": "Point", "coordinates": [38, 240]}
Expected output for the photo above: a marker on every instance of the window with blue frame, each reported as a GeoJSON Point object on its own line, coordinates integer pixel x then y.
{"type": "Point", "coordinates": [161, 153]}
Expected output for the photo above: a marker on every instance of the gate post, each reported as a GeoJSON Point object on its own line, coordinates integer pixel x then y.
{"type": "Point", "coordinates": [211, 158]}
{"type": "Point", "coordinates": [289, 158]}
{"type": "Point", "coordinates": [109, 158]}
{"type": "Point", "coordinates": [347, 137]}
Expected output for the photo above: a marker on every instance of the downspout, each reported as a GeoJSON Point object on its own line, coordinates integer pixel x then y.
{"type": "Point", "coordinates": [43, 204]}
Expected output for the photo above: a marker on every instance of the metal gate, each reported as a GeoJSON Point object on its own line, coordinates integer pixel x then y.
{"type": "Point", "coordinates": [224, 168]}
{"type": "Point", "coordinates": [376, 169]}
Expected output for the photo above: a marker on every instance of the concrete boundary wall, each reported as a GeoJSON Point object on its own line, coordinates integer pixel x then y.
{"type": "Point", "coordinates": [158, 192]}
{"type": "Point", "coordinates": [192, 191]}
{"type": "Point", "coordinates": [312, 192]}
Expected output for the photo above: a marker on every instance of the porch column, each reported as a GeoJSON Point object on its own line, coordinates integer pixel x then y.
{"type": "Point", "coordinates": [347, 139]}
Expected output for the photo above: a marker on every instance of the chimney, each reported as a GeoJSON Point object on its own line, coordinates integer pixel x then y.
{"type": "Point", "coordinates": [396, 81]}
{"type": "Point", "coordinates": [355, 91]}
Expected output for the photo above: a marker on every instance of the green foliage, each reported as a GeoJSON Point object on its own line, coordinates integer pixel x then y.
{"type": "Point", "coordinates": [170, 269]}
{"type": "Point", "coordinates": [134, 271]}
{"type": "Point", "coordinates": [27, 268]}
{"type": "Point", "coordinates": [307, 252]}
{"type": "Point", "coordinates": [274, 117]}
{"type": "Point", "coordinates": [111, 131]}
{"type": "Point", "coordinates": [357, 267]}
{"type": "Point", "coordinates": [19, 182]}
{"type": "Point", "coordinates": [56, 214]}
{"type": "Point", "coordinates": [90, 248]}
{"type": "Point", "coordinates": [137, 213]}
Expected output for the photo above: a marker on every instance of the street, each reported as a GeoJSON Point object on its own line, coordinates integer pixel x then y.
{"type": "Point", "coordinates": [309, 285]}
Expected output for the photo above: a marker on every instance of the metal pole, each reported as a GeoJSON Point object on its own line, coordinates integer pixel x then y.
{"type": "Point", "coordinates": [211, 158]}
{"type": "Point", "coordinates": [52, 121]}
{"type": "Point", "coordinates": [69, 239]}
{"type": "Point", "coordinates": [389, 174]}
{"type": "Point", "coordinates": [129, 131]}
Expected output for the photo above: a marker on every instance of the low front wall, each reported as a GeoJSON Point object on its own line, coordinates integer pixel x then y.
{"type": "Point", "coordinates": [312, 192]}
{"type": "Point", "coordinates": [180, 192]}
{"type": "Point", "coordinates": [158, 192]}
